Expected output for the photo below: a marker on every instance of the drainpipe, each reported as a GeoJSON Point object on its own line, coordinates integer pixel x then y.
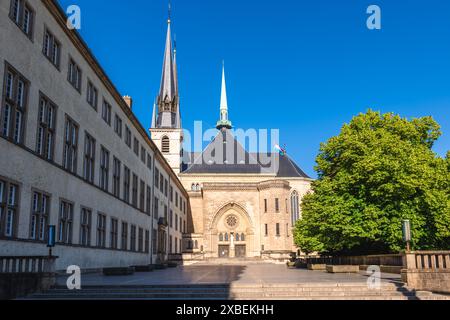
{"type": "Point", "coordinates": [168, 217]}
{"type": "Point", "coordinates": [152, 208]}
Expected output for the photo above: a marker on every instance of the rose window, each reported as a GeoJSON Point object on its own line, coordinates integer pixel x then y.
{"type": "Point", "coordinates": [232, 221]}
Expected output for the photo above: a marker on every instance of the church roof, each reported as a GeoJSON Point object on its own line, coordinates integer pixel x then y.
{"type": "Point", "coordinates": [225, 155]}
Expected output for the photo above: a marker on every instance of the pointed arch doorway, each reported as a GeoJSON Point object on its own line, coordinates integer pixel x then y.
{"type": "Point", "coordinates": [232, 232]}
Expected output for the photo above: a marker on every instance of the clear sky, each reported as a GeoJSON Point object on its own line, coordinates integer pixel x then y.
{"type": "Point", "coordinates": [304, 67]}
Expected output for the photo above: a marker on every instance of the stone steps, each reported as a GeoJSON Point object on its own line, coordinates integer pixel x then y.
{"type": "Point", "coordinates": [239, 292]}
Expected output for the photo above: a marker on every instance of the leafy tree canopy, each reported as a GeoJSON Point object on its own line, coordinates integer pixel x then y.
{"type": "Point", "coordinates": [378, 171]}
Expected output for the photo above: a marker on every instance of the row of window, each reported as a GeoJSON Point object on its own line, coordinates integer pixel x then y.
{"type": "Point", "coordinates": [132, 238]}
{"type": "Point", "coordinates": [237, 237]}
{"type": "Point", "coordinates": [162, 184]}
{"type": "Point", "coordinates": [277, 230]}
{"type": "Point", "coordinates": [276, 205]}
{"type": "Point", "coordinates": [13, 115]}
{"type": "Point", "coordinates": [175, 245]}
{"type": "Point", "coordinates": [177, 221]}
{"type": "Point", "coordinates": [12, 123]}
{"type": "Point", "coordinates": [22, 14]}
{"type": "Point", "coordinates": [295, 207]}
{"type": "Point", "coordinates": [193, 245]}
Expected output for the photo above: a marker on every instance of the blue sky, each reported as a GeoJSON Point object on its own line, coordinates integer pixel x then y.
{"type": "Point", "coordinates": [304, 67]}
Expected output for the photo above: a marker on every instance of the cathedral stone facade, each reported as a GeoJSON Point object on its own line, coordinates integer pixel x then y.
{"type": "Point", "coordinates": [242, 204]}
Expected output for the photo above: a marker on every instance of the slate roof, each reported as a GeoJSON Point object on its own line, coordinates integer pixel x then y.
{"type": "Point", "coordinates": [225, 155]}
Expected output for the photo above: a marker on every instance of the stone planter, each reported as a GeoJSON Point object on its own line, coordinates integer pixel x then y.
{"type": "Point", "coordinates": [125, 271]}
{"type": "Point", "coordinates": [317, 267]}
{"type": "Point", "coordinates": [342, 269]}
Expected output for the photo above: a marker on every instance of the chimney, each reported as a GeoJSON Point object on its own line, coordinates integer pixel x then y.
{"type": "Point", "coordinates": [128, 101]}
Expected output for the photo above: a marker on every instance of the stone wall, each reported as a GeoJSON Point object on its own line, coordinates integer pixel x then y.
{"type": "Point", "coordinates": [437, 280]}
{"type": "Point", "coordinates": [427, 270]}
{"type": "Point", "coordinates": [21, 284]}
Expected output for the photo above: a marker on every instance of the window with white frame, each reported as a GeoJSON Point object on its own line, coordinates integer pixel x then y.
{"type": "Point", "coordinates": [9, 193]}
{"type": "Point", "coordinates": [65, 224]}
{"type": "Point", "coordinates": [89, 158]}
{"type": "Point", "coordinates": [147, 242]}
{"type": "Point", "coordinates": [92, 95]}
{"type": "Point", "coordinates": [148, 199]}
{"type": "Point", "coordinates": [136, 146]}
{"type": "Point", "coordinates": [133, 238]}
{"type": "Point", "coordinates": [23, 16]}
{"type": "Point", "coordinates": [39, 216]}
{"type": "Point", "coordinates": [45, 140]}
{"type": "Point", "coordinates": [51, 48]}
{"type": "Point", "coordinates": [126, 184]}
{"type": "Point", "coordinates": [128, 136]}
{"type": "Point", "coordinates": [106, 112]}
{"type": "Point", "coordinates": [118, 125]}
{"type": "Point", "coordinates": [85, 227]}
{"type": "Point", "coordinates": [74, 75]}
{"type": "Point", "coordinates": [104, 169]}
{"type": "Point", "coordinates": [142, 196]}
{"type": "Point", "coordinates": [117, 168]}
{"type": "Point", "coordinates": [114, 233]}
{"type": "Point", "coordinates": [70, 145]}
{"type": "Point", "coordinates": [140, 240]}
{"type": "Point", "coordinates": [149, 161]}
{"type": "Point", "coordinates": [134, 191]}
{"type": "Point", "coordinates": [101, 230]}
{"type": "Point", "coordinates": [14, 105]}
{"type": "Point", "coordinates": [143, 154]}
{"type": "Point", "coordinates": [124, 242]}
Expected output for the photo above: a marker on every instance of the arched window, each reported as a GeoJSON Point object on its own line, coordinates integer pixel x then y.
{"type": "Point", "coordinates": [295, 209]}
{"type": "Point", "coordinates": [196, 244]}
{"type": "Point", "coordinates": [242, 237]}
{"type": "Point", "coordinates": [226, 236]}
{"type": "Point", "coordinates": [165, 144]}
{"type": "Point", "coordinates": [238, 237]}
{"type": "Point", "coordinates": [221, 237]}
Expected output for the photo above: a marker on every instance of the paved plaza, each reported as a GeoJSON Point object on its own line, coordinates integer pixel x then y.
{"type": "Point", "coordinates": [228, 274]}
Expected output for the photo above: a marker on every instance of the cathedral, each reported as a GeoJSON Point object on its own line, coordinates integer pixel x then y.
{"type": "Point", "coordinates": [241, 204]}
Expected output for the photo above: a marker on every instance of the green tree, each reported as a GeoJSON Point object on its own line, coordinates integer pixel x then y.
{"type": "Point", "coordinates": [378, 171]}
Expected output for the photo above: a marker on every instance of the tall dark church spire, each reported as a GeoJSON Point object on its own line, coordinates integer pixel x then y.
{"type": "Point", "coordinates": [167, 113]}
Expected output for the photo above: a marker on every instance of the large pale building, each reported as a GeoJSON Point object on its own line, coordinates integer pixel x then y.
{"type": "Point", "coordinates": [242, 204]}
{"type": "Point", "coordinates": [73, 154]}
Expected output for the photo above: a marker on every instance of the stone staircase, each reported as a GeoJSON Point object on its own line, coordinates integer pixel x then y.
{"type": "Point", "coordinates": [314, 291]}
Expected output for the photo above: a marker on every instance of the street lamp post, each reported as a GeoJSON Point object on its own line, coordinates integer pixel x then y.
{"type": "Point", "coordinates": [407, 234]}
{"type": "Point", "coordinates": [51, 239]}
